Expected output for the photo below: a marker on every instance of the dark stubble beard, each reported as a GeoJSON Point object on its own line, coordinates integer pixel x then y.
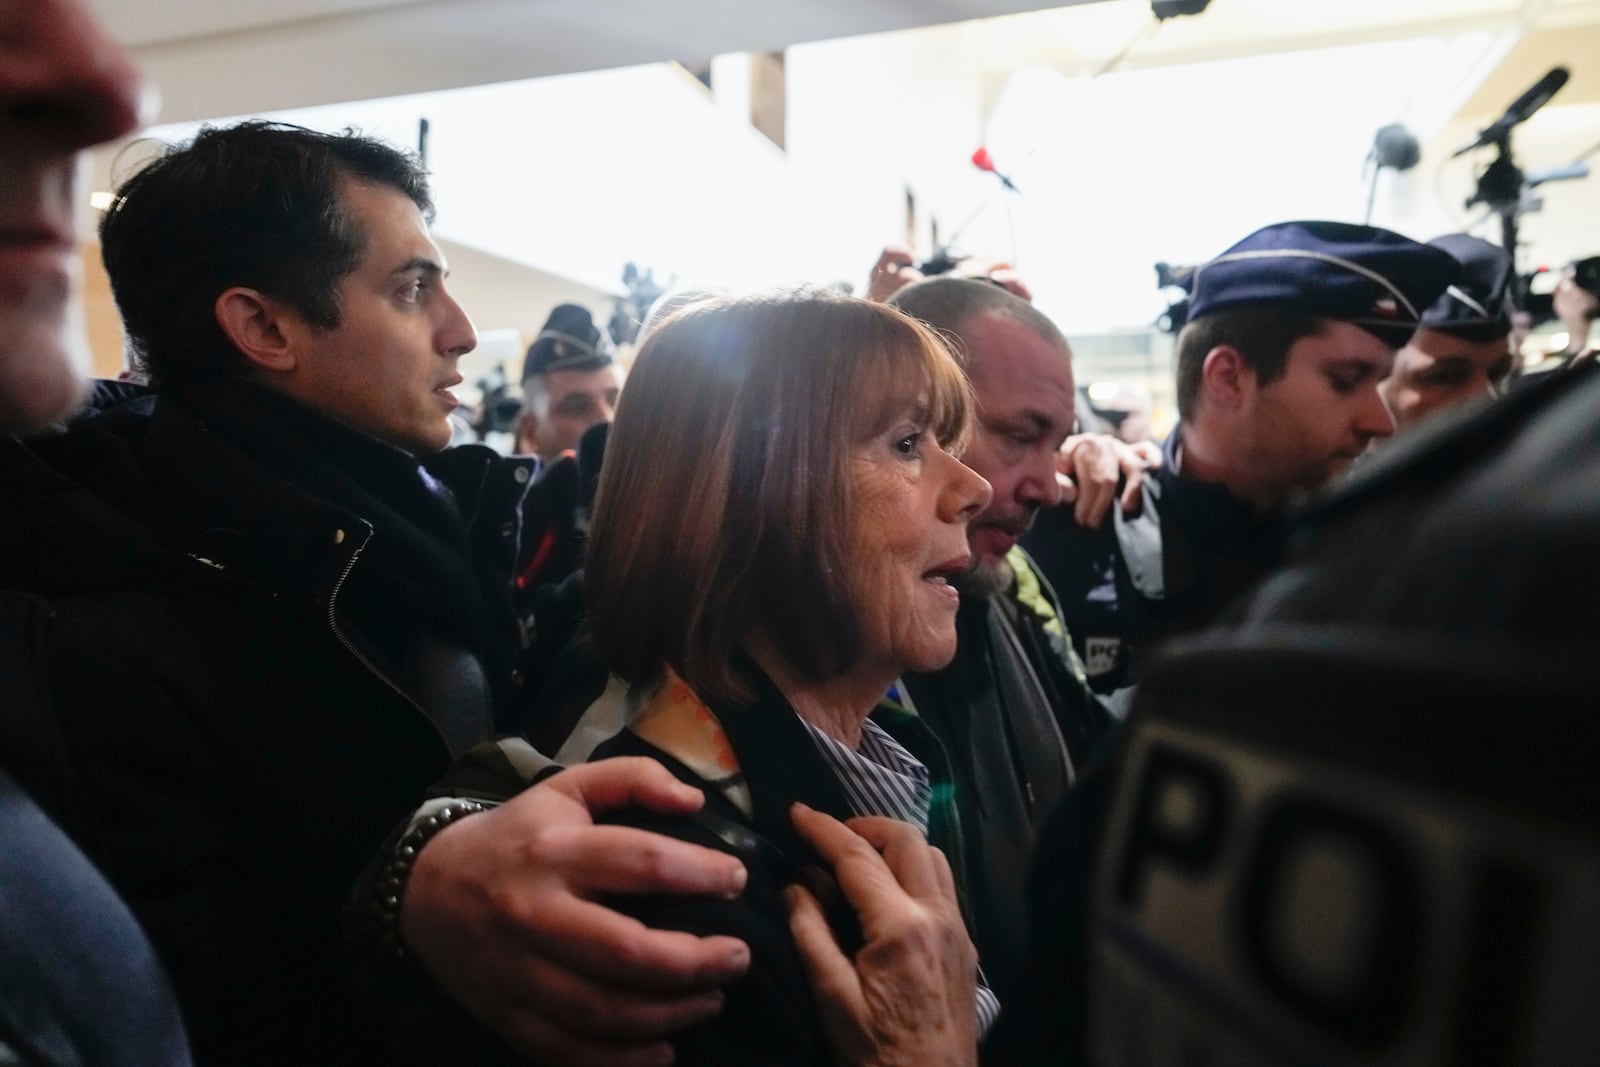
{"type": "Point", "coordinates": [986, 579]}
{"type": "Point", "coordinates": [990, 577]}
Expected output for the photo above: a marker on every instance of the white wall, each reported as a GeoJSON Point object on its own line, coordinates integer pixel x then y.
{"type": "Point", "coordinates": [576, 175]}
{"type": "Point", "coordinates": [872, 116]}
{"type": "Point", "coordinates": [502, 295]}
{"type": "Point", "coordinates": [1175, 164]}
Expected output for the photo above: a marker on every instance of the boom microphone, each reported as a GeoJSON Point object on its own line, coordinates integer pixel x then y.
{"type": "Point", "coordinates": [1521, 109]}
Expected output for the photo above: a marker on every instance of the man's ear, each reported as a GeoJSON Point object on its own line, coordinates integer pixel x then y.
{"type": "Point", "coordinates": [1226, 378]}
{"type": "Point", "coordinates": [256, 325]}
{"type": "Point", "coordinates": [527, 431]}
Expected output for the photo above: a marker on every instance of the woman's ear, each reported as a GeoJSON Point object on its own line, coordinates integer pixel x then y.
{"type": "Point", "coordinates": [254, 323]}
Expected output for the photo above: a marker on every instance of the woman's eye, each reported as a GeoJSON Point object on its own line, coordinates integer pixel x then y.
{"type": "Point", "coordinates": [907, 446]}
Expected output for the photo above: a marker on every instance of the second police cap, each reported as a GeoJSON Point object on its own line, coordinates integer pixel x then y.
{"type": "Point", "coordinates": [1476, 306]}
{"type": "Point", "coordinates": [1371, 277]}
{"type": "Point", "coordinates": [569, 341]}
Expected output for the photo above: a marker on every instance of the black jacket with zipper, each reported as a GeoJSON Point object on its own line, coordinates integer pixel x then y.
{"type": "Point", "coordinates": [270, 634]}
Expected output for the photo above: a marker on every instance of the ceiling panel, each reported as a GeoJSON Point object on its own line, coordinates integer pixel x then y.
{"type": "Point", "coordinates": [213, 59]}
{"type": "Point", "coordinates": [137, 23]}
{"type": "Point", "coordinates": [1575, 47]}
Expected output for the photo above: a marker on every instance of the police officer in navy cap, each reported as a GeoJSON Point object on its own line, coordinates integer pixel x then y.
{"type": "Point", "coordinates": [1289, 333]}
{"type": "Point", "coordinates": [1462, 350]}
{"type": "Point", "coordinates": [1359, 823]}
{"type": "Point", "coordinates": [570, 382]}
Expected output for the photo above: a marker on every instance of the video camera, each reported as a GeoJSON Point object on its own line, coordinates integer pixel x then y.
{"type": "Point", "coordinates": [498, 411]}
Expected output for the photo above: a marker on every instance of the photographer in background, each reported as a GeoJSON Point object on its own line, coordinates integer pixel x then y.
{"type": "Point", "coordinates": [1577, 304]}
{"type": "Point", "coordinates": [897, 268]}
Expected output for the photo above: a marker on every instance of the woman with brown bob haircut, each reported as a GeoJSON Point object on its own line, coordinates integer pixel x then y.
{"type": "Point", "coordinates": [778, 516]}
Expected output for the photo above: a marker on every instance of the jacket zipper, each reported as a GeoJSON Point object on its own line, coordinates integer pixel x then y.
{"type": "Point", "coordinates": [349, 646]}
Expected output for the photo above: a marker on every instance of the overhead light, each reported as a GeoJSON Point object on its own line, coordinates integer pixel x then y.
{"type": "Point", "coordinates": [102, 201]}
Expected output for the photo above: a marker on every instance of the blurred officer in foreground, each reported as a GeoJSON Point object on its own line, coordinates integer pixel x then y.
{"type": "Point", "coordinates": [1290, 331]}
{"type": "Point", "coordinates": [1360, 823]}
{"type": "Point", "coordinates": [1461, 351]}
{"type": "Point", "coordinates": [79, 983]}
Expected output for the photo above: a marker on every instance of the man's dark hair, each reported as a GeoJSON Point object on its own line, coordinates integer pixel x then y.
{"type": "Point", "coordinates": [1263, 336]}
{"type": "Point", "coordinates": [256, 205]}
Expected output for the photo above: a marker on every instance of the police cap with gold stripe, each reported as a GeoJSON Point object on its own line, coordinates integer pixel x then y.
{"type": "Point", "coordinates": [1373, 278]}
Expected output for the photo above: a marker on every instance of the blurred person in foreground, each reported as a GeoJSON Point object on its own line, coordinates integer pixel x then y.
{"type": "Point", "coordinates": [1461, 350]}
{"type": "Point", "coordinates": [1289, 333]}
{"type": "Point", "coordinates": [1358, 821]}
{"type": "Point", "coordinates": [80, 984]}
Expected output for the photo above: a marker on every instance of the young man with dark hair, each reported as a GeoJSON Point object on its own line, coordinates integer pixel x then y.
{"type": "Point", "coordinates": [1290, 331]}
{"type": "Point", "coordinates": [255, 205]}
{"type": "Point", "coordinates": [1263, 337]}
{"type": "Point", "coordinates": [274, 624]}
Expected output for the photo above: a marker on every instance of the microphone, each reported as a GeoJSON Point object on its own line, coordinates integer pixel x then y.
{"type": "Point", "coordinates": [1396, 147]}
{"type": "Point", "coordinates": [1521, 109]}
{"type": "Point", "coordinates": [984, 161]}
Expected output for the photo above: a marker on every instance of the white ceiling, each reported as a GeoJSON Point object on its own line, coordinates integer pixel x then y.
{"type": "Point", "coordinates": [214, 58]}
